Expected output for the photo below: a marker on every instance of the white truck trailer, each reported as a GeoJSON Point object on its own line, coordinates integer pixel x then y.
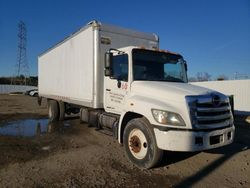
{"type": "Point", "coordinates": [121, 82]}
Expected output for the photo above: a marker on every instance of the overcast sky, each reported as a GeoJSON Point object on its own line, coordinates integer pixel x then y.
{"type": "Point", "coordinates": [213, 35]}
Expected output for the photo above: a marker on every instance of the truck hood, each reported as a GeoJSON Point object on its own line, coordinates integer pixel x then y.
{"type": "Point", "coordinates": [167, 90]}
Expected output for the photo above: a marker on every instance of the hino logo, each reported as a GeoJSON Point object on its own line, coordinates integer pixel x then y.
{"type": "Point", "coordinates": [216, 100]}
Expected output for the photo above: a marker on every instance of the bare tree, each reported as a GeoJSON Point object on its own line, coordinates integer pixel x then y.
{"type": "Point", "coordinates": [192, 79]}
{"type": "Point", "coordinates": [203, 76]}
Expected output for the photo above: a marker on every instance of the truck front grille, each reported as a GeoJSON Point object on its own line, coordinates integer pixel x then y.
{"type": "Point", "coordinates": [210, 111]}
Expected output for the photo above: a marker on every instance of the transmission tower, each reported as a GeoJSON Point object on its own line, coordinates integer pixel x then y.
{"type": "Point", "coordinates": [22, 67]}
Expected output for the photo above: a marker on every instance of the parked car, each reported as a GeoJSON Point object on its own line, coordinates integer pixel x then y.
{"type": "Point", "coordinates": [32, 92]}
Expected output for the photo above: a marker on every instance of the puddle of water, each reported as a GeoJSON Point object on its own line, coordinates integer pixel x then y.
{"type": "Point", "coordinates": [30, 127]}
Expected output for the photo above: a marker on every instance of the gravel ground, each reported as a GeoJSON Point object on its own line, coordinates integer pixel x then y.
{"type": "Point", "coordinates": [70, 154]}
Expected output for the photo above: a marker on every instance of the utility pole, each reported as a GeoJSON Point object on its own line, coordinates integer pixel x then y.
{"type": "Point", "coordinates": [22, 67]}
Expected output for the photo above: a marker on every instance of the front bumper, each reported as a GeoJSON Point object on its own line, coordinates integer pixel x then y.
{"type": "Point", "coordinates": [190, 140]}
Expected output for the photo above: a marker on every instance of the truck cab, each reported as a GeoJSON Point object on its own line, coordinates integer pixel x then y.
{"type": "Point", "coordinates": [150, 88]}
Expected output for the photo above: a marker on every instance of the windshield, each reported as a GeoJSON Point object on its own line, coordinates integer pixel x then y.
{"type": "Point", "coordinates": [158, 66]}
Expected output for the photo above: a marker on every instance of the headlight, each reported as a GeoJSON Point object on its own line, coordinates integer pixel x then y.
{"type": "Point", "coordinates": [167, 118]}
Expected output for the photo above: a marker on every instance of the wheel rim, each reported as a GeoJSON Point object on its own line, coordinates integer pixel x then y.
{"type": "Point", "coordinates": [138, 145]}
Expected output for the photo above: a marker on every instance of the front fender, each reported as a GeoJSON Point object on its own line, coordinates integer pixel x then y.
{"type": "Point", "coordinates": [142, 105]}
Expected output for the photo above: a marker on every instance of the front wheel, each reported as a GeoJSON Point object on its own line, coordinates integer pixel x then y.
{"type": "Point", "coordinates": [140, 144]}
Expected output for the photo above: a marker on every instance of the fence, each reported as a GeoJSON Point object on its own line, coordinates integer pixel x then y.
{"type": "Point", "coordinates": [239, 88]}
{"type": "Point", "coordinates": [15, 88]}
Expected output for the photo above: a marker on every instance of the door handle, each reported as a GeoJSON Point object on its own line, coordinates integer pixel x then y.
{"type": "Point", "coordinates": [119, 83]}
{"type": "Point", "coordinates": [108, 89]}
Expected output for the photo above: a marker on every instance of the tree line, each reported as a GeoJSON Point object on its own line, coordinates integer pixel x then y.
{"type": "Point", "coordinates": [19, 80]}
{"type": "Point", "coordinates": [204, 76]}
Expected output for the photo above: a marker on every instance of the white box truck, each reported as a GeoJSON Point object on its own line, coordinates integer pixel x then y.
{"type": "Point", "coordinates": [121, 82]}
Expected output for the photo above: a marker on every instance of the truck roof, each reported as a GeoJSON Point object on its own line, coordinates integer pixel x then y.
{"type": "Point", "coordinates": [107, 28]}
{"type": "Point", "coordinates": [156, 50]}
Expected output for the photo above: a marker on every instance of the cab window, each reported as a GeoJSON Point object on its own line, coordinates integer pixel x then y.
{"type": "Point", "coordinates": [120, 67]}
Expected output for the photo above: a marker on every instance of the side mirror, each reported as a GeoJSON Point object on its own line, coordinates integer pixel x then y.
{"type": "Point", "coordinates": [108, 63]}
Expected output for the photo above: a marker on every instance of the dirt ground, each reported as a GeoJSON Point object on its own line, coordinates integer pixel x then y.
{"type": "Point", "coordinates": [70, 154]}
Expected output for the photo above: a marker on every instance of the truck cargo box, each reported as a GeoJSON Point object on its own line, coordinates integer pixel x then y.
{"type": "Point", "coordinates": [72, 70]}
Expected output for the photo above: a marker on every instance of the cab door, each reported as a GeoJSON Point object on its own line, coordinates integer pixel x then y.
{"type": "Point", "coordinates": [116, 85]}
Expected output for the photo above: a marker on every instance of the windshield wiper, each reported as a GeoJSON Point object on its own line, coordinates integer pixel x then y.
{"type": "Point", "coordinates": [181, 81]}
{"type": "Point", "coordinates": [167, 80]}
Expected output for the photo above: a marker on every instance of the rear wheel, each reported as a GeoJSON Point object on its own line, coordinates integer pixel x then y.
{"type": "Point", "coordinates": [53, 110]}
{"type": "Point", "coordinates": [140, 144]}
{"type": "Point", "coordinates": [61, 110]}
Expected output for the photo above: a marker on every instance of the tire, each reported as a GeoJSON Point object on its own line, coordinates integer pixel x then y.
{"type": "Point", "coordinates": [61, 110]}
{"type": "Point", "coordinates": [140, 144]}
{"type": "Point", "coordinates": [53, 111]}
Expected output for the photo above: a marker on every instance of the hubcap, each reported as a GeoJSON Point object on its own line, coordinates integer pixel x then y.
{"type": "Point", "coordinates": [137, 143]}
